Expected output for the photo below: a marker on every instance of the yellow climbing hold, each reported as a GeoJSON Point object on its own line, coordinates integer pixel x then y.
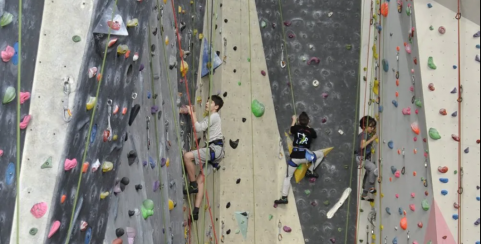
{"type": "Point", "coordinates": [184, 68]}
{"type": "Point", "coordinates": [107, 166]}
{"type": "Point", "coordinates": [165, 1]}
{"type": "Point", "coordinates": [381, 227]}
{"type": "Point", "coordinates": [374, 49]}
{"type": "Point", "coordinates": [301, 170]}
{"type": "Point", "coordinates": [103, 195]}
{"type": "Point", "coordinates": [201, 36]}
{"type": "Point", "coordinates": [194, 32]}
{"type": "Point", "coordinates": [376, 86]}
{"type": "Point", "coordinates": [382, 195]}
{"type": "Point", "coordinates": [199, 100]}
{"type": "Point", "coordinates": [115, 137]}
{"type": "Point", "coordinates": [132, 23]}
{"type": "Point", "coordinates": [167, 162]}
{"type": "Point", "coordinates": [122, 49]}
{"type": "Point", "coordinates": [166, 40]}
{"type": "Point", "coordinates": [90, 103]}
{"type": "Point", "coordinates": [171, 204]}
{"type": "Point", "coordinates": [372, 204]}
{"type": "Point", "coordinates": [179, 9]}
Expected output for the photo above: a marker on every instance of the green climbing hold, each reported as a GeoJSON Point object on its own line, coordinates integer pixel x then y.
{"type": "Point", "coordinates": [33, 231]}
{"type": "Point", "coordinates": [455, 172]}
{"type": "Point", "coordinates": [385, 65]}
{"type": "Point", "coordinates": [147, 208]}
{"type": "Point", "coordinates": [76, 38]}
{"type": "Point", "coordinates": [326, 203]}
{"type": "Point", "coordinates": [418, 103]}
{"type": "Point", "coordinates": [431, 27]}
{"type": "Point", "coordinates": [239, 83]}
{"type": "Point", "coordinates": [361, 210]}
{"type": "Point", "coordinates": [431, 64]}
{"type": "Point", "coordinates": [425, 205]}
{"type": "Point", "coordinates": [249, 60]}
{"type": "Point", "coordinates": [10, 94]}
{"type": "Point", "coordinates": [263, 24]}
{"type": "Point", "coordinates": [6, 19]}
{"type": "Point", "coordinates": [257, 108]}
{"type": "Point", "coordinates": [429, 242]}
{"type": "Point", "coordinates": [47, 164]}
{"type": "Point", "coordinates": [433, 133]}
{"type": "Point", "coordinates": [307, 192]}
{"type": "Point", "coordinates": [360, 240]}
{"type": "Point", "coordinates": [348, 47]}
{"type": "Point", "coordinates": [340, 229]}
{"type": "Point", "coordinates": [270, 217]}
{"type": "Point", "coordinates": [237, 231]}
{"type": "Point", "coordinates": [346, 166]}
{"type": "Point", "coordinates": [407, 11]}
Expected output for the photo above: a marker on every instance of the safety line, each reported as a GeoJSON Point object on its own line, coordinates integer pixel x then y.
{"type": "Point", "coordinates": [459, 156]}
{"type": "Point", "coordinates": [86, 149]}
{"type": "Point", "coordinates": [19, 83]}
{"type": "Point", "coordinates": [155, 127]}
{"type": "Point", "coordinates": [287, 56]}
{"type": "Point", "coordinates": [193, 125]}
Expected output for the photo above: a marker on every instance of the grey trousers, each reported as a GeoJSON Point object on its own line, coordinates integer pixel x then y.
{"type": "Point", "coordinates": [371, 175]}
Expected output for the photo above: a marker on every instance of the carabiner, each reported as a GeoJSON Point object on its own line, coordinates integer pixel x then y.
{"type": "Point", "coordinates": [67, 113]}
{"type": "Point", "coordinates": [280, 236]}
{"type": "Point", "coordinates": [108, 132]}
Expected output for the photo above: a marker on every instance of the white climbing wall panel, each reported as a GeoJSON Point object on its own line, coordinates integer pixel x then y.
{"type": "Point", "coordinates": [255, 161]}
{"type": "Point", "coordinates": [47, 134]}
{"type": "Point", "coordinates": [443, 152]}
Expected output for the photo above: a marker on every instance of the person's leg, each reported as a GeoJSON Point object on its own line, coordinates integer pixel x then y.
{"type": "Point", "coordinates": [190, 166]}
{"type": "Point", "coordinates": [189, 157]}
{"type": "Point", "coordinates": [207, 170]}
{"type": "Point", "coordinates": [292, 165]}
{"type": "Point", "coordinates": [369, 179]}
{"type": "Point", "coordinates": [319, 157]}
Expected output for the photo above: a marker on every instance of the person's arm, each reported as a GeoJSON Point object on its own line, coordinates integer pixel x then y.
{"type": "Point", "coordinates": [204, 125]}
{"type": "Point", "coordinates": [365, 143]}
{"type": "Point", "coordinates": [293, 124]}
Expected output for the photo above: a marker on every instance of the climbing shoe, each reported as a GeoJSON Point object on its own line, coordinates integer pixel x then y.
{"type": "Point", "coordinates": [311, 174]}
{"type": "Point", "coordinates": [365, 198]}
{"type": "Point", "coordinates": [282, 200]}
{"type": "Point", "coordinates": [195, 214]}
{"type": "Point", "coordinates": [192, 188]}
{"type": "Point", "coordinates": [373, 190]}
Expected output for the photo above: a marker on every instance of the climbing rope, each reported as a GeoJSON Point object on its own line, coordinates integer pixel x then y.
{"type": "Point", "coordinates": [86, 149]}
{"type": "Point", "coordinates": [459, 100]}
{"type": "Point", "coordinates": [155, 122]}
{"type": "Point", "coordinates": [193, 125]}
{"type": "Point", "coordinates": [19, 83]}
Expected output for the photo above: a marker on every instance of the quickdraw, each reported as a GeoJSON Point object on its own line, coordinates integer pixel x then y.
{"type": "Point", "coordinates": [280, 236]}
{"type": "Point", "coordinates": [397, 75]}
{"type": "Point", "coordinates": [148, 119]}
{"type": "Point", "coordinates": [400, 6]}
{"type": "Point", "coordinates": [282, 62]}
{"type": "Point", "coordinates": [225, 49]}
{"type": "Point", "coordinates": [222, 231]}
{"type": "Point", "coordinates": [67, 113]}
{"type": "Point", "coordinates": [425, 183]}
{"type": "Point", "coordinates": [107, 136]}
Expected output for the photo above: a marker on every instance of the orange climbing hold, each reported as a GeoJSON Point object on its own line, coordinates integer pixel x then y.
{"type": "Point", "coordinates": [399, 152]}
{"type": "Point", "coordinates": [396, 94]}
{"type": "Point", "coordinates": [62, 199]}
{"type": "Point", "coordinates": [414, 173]}
{"type": "Point", "coordinates": [398, 49]}
{"type": "Point", "coordinates": [442, 111]}
{"type": "Point", "coordinates": [85, 167]}
{"type": "Point", "coordinates": [384, 9]}
{"type": "Point", "coordinates": [390, 179]}
{"type": "Point", "coordinates": [414, 151]}
{"type": "Point", "coordinates": [124, 111]}
{"type": "Point", "coordinates": [415, 128]}
{"type": "Point", "coordinates": [397, 82]}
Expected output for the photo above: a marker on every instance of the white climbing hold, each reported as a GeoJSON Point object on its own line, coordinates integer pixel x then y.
{"type": "Point", "coordinates": [341, 132]}
{"type": "Point", "coordinates": [330, 14]}
{"type": "Point", "coordinates": [316, 83]}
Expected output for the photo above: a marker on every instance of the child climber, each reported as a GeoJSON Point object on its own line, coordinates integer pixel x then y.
{"type": "Point", "coordinates": [364, 154]}
{"type": "Point", "coordinates": [209, 157]}
{"type": "Point", "coordinates": [303, 135]}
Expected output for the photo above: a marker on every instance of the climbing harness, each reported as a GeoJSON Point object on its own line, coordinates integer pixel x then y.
{"type": "Point", "coordinates": [282, 62]}
{"type": "Point", "coordinates": [108, 132]}
{"type": "Point", "coordinates": [280, 236]}
{"type": "Point", "coordinates": [67, 112]}
{"type": "Point", "coordinates": [148, 120]}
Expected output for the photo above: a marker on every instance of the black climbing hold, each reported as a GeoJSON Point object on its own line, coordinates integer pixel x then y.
{"type": "Point", "coordinates": [238, 181]}
{"type": "Point", "coordinates": [235, 48]}
{"type": "Point", "coordinates": [228, 205]}
{"type": "Point", "coordinates": [218, 53]}
{"type": "Point", "coordinates": [228, 232]}
{"type": "Point", "coordinates": [132, 157]}
{"type": "Point", "coordinates": [154, 32]}
{"type": "Point", "coordinates": [183, 26]}
{"type": "Point", "coordinates": [233, 144]}
{"type": "Point", "coordinates": [119, 232]}
{"type": "Point", "coordinates": [220, 5]}
{"type": "Point", "coordinates": [225, 94]}
{"type": "Point", "coordinates": [225, 20]}
{"type": "Point", "coordinates": [153, 48]}
{"type": "Point", "coordinates": [244, 214]}
{"type": "Point", "coordinates": [244, 120]}
{"type": "Point", "coordinates": [125, 181]}
{"type": "Point", "coordinates": [155, 96]}
{"type": "Point", "coordinates": [122, 187]}
{"type": "Point", "coordinates": [159, 114]}
{"type": "Point", "coordinates": [134, 112]}
{"type": "Point", "coordinates": [138, 187]}
{"type": "Point", "coordinates": [234, 71]}
{"type": "Point", "coordinates": [131, 213]}
{"type": "Point", "coordinates": [216, 27]}
{"type": "Point", "coordinates": [126, 136]}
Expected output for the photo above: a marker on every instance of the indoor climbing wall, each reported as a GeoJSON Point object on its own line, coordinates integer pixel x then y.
{"type": "Point", "coordinates": [9, 46]}
{"type": "Point", "coordinates": [312, 50]}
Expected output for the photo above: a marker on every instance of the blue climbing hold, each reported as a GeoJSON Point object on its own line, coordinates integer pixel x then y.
{"type": "Point", "coordinates": [454, 114]}
{"type": "Point", "coordinates": [455, 216]}
{"type": "Point", "coordinates": [393, 169]}
{"type": "Point", "coordinates": [400, 211]}
{"type": "Point", "coordinates": [380, 108]}
{"type": "Point", "coordinates": [88, 236]}
{"type": "Point", "coordinates": [93, 133]}
{"type": "Point", "coordinates": [388, 211]}
{"type": "Point", "coordinates": [149, 95]}
{"type": "Point", "coordinates": [144, 163]}
{"type": "Point", "coordinates": [466, 150]}
{"type": "Point", "coordinates": [15, 56]}
{"type": "Point", "coordinates": [379, 28]}
{"type": "Point", "coordinates": [444, 180]}
{"type": "Point", "coordinates": [477, 242]}
{"type": "Point", "coordinates": [477, 198]}
{"type": "Point", "coordinates": [455, 66]}
{"type": "Point", "coordinates": [477, 46]}
{"type": "Point", "coordinates": [429, 5]}
{"type": "Point", "coordinates": [151, 162]}
{"type": "Point", "coordinates": [395, 240]}
{"type": "Point", "coordinates": [395, 103]}
{"type": "Point", "coordinates": [10, 174]}
{"type": "Point", "coordinates": [444, 192]}
{"type": "Point", "coordinates": [454, 91]}
{"type": "Point", "coordinates": [390, 144]}
{"type": "Point", "coordinates": [385, 65]}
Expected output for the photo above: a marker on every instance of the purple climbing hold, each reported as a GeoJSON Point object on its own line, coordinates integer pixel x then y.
{"type": "Point", "coordinates": [313, 60]}
{"type": "Point", "coordinates": [144, 163]}
{"type": "Point", "coordinates": [466, 150]}
{"type": "Point", "coordinates": [155, 186]}
{"type": "Point", "coordinates": [324, 95]}
{"type": "Point", "coordinates": [454, 91]}
{"type": "Point", "coordinates": [323, 120]}
{"type": "Point", "coordinates": [141, 67]}
{"type": "Point", "coordinates": [477, 222]}
{"type": "Point", "coordinates": [154, 109]}
{"type": "Point", "coordinates": [287, 23]}
{"type": "Point", "coordinates": [287, 229]}
{"type": "Point", "coordinates": [477, 58]}
{"type": "Point", "coordinates": [477, 34]}
{"type": "Point", "coordinates": [163, 162]}
{"type": "Point", "coordinates": [152, 163]}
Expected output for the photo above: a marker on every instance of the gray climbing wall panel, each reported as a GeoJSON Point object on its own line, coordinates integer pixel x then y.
{"type": "Point", "coordinates": [32, 16]}
{"type": "Point", "coordinates": [328, 30]}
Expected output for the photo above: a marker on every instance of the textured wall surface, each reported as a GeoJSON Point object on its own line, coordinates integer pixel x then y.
{"type": "Point", "coordinates": [32, 16]}
{"type": "Point", "coordinates": [321, 30]}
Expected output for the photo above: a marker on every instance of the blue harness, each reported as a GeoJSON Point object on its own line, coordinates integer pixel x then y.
{"type": "Point", "coordinates": [212, 154]}
{"type": "Point", "coordinates": [309, 155]}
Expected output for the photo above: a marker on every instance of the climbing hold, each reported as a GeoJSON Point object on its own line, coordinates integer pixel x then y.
{"type": "Point", "coordinates": [454, 114]}
{"type": "Point", "coordinates": [348, 47]}
{"type": "Point", "coordinates": [454, 90]}
{"type": "Point", "coordinates": [234, 144]}
{"type": "Point", "coordinates": [134, 111]}
{"type": "Point", "coordinates": [314, 60]}
{"type": "Point", "coordinates": [420, 224]}
{"type": "Point", "coordinates": [412, 207]}
{"type": "Point", "coordinates": [171, 204]}
{"type": "Point", "coordinates": [431, 87]}
{"type": "Point", "coordinates": [406, 111]}
{"type": "Point", "coordinates": [141, 68]}
{"type": "Point", "coordinates": [326, 203]}
{"type": "Point", "coordinates": [263, 24]}
{"type": "Point", "coordinates": [397, 174]}
{"type": "Point", "coordinates": [47, 163]}
{"type": "Point", "coordinates": [92, 72]}
{"type": "Point", "coordinates": [238, 181]}
{"type": "Point", "coordinates": [76, 38]}
{"type": "Point", "coordinates": [24, 96]}
{"type": "Point", "coordinates": [433, 133]}
{"type": "Point", "coordinates": [91, 101]}
{"type": "Point", "coordinates": [107, 166]}
{"type": "Point", "coordinates": [477, 58]}
{"type": "Point", "coordinates": [444, 180]}
{"type": "Point", "coordinates": [6, 19]}
{"type": "Point", "coordinates": [9, 95]}
{"type": "Point", "coordinates": [286, 229]}
{"type": "Point", "coordinates": [425, 205]}
{"type": "Point", "coordinates": [96, 165]}
{"type": "Point", "coordinates": [103, 195]}
{"type": "Point", "coordinates": [455, 137]}
{"type": "Point", "coordinates": [257, 108]}
{"type": "Point", "coordinates": [394, 170]}
{"type": "Point", "coordinates": [429, 5]}
{"type": "Point", "coordinates": [390, 144]}
{"type": "Point", "coordinates": [54, 228]}
{"type": "Point", "coordinates": [466, 150]}
{"type": "Point", "coordinates": [454, 66]}
{"type": "Point", "coordinates": [443, 170]}
{"type": "Point", "coordinates": [408, 48]}
{"type": "Point", "coordinates": [33, 231]}
{"type": "Point", "coordinates": [384, 9]}
{"type": "Point", "coordinates": [395, 103]}
{"type": "Point", "coordinates": [441, 30]}
{"type": "Point", "coordinates": [442, 111]}
{"type": "Point", "coordinates": [122, 49]}
{"type": "Point", "coordinates": [395, 240]}
{"type": "Point", "coordinates": [415, 128]}
{"type": "Point", "coordinates": [70, 164]}
{"type": "Point", "coordinates": [63, 198]}
{"type": "Point", "coordinates": [412, 194]}
{"type": "Point", "coordinates": [388, 210]}
{"type": "Point", "coordinates": [403, 223]}
{"type": "Point", "coordinates": [431, 63]}
{"type": "Point", "coordinates": [385, 65]}
{"type": "Point", "coordinates": [39, 209]}
{"type": "Point", "coordinates": [132, 22]}
{"type": "Point", "coordinates": [444, 192]}
{"type": "Point", "coordinates": [8, 53]}
{"type": "Point", "coordinates": [418, 103]}
{"type": "Point", "coordinates": [228, 204]}
{"type": "Point", "coordinates": [147, 208]}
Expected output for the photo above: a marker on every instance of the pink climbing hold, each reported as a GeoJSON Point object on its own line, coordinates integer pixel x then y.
{"type": "Point", "coordinates": [25, 121]}
{"type": "Point", "coordinates": [441, 30]}
{"type": "Point", "coordinates": [415, 242]}
{"type": "Point", "coordinates": [287, 23]}
{"type": "Point", "coordinates": [416, 111]}
{"type": "Point", "coordinates": [1, 153]}
{"type": "Point", "coordinates": [420, 225]}
{"type": "Point", "coordinates": [24, 96]}
{"type": "Point", "coordinates": [397, 196]}
{"type": "Point", "coordinates": [314, 60]}
{"type": "Point", "coordinates": [8, 54]}
{"type": "Point", "coordinates": [324, 95]}
{"type": "Point", "coordinates": [54, 228]}
{"type": "Point", "coordinates": [263, 73]}
{"type": "Point", "coordinates": [412, 194]}
{"type": "Point", "coordinates": [406, 111]}
{"type": "Point", "coordinates": [415, 138]}
{"type": "Point", "coordinates": [287, 229]}
{"type": "Point", "coordinates": [397, 174]}
{"type": "Point", "coordinates": [39, 209]}
{"type": "Point", "coordinates": [412, 89]}
{"type": "Point", "coordinates": [412, 207]}
{"type": "Point", "coordinates": [70, 164]}
{"type": "Point", "coordinates": [408, 48]}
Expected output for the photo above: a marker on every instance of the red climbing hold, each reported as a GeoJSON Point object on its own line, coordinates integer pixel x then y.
{"type": "Point", "coordinates": [415, 61]}
{"type": "Point", "coordinates": [443, 170]}
{"type": "Point", "coordinates": [263, 73]}
{"type": "Point", "coordinates": [403, 223]}
{"type": "Point", "coordinates": [442, 111]}
{"type": "Point", "coordinates": [287, 23]}
{"type": "Point", "coordinates": [114, 25]}
{"type": "Point", "coordinates": [455, 137]}
{"type": "Point", "coordinates": [431, 87]}
{"type": "Point", "coordinates": [384, 9]}
{"type": "Point", "coordinates": [456, 205]}
{"type": "Point", "coordinates": [478, 141]}
{"type": "Point", "coordinates": [313, 60]}
{"type": "Point", "coordinates": [420, 224]}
